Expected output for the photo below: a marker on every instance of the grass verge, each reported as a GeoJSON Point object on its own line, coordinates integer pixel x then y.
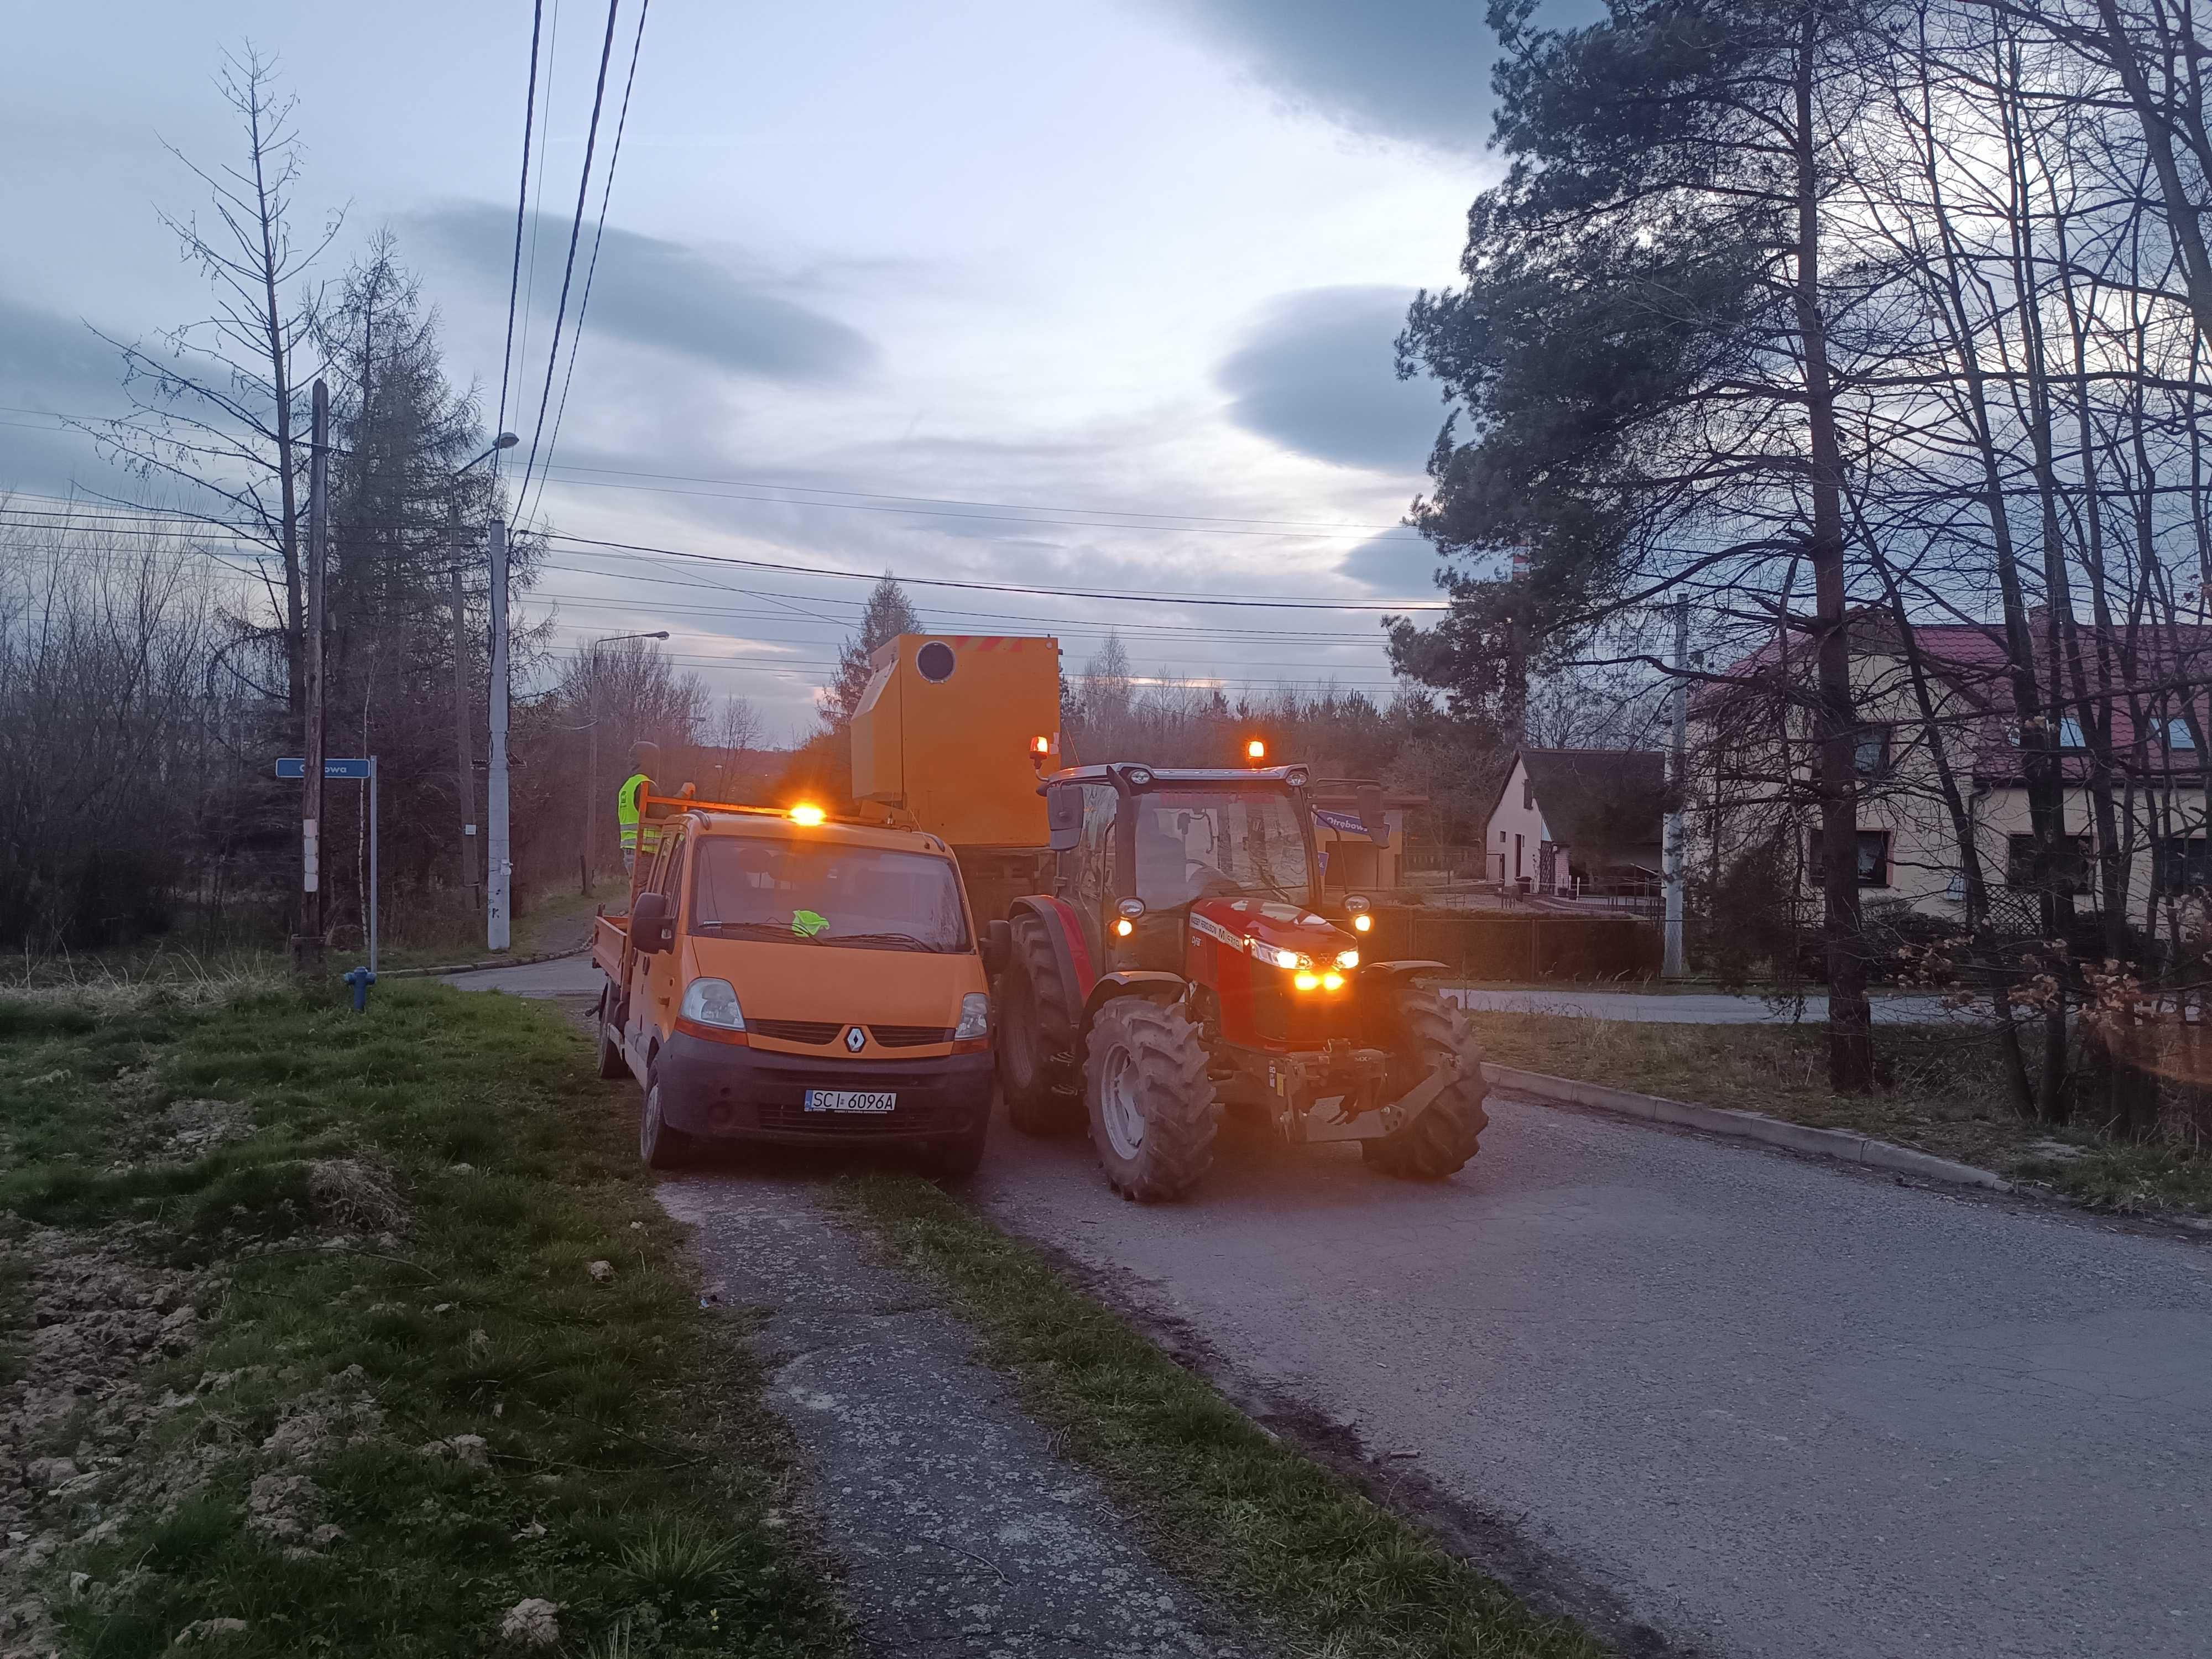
{"type": "Point", "coordinates": [1236, 1509]}
{"type": "Point", "coordinates": [366, 1332]}
{"type": "Point", "coordinates": [1941, 1093]}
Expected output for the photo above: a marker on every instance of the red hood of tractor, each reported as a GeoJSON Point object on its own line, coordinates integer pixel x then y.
{"type": "Point", "coordinates": [1271, 921]}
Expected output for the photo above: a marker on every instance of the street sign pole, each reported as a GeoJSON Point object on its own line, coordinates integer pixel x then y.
{"type": "Point", "coordinates": [375, 869]}
{"type": "Point", "coordinates": [360, 769]}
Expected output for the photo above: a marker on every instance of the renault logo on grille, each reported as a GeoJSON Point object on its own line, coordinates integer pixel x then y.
{"type": "Point", "coordinates": [855, 1038]}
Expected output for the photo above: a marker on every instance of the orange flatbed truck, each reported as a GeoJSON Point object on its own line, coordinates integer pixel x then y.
{"type": "Point", "coordinates": [783, 976]}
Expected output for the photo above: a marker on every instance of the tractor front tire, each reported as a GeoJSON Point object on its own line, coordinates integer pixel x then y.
{"type": "Point", "coordinates": [1439, 1142]}
{"type": "Point", "coordinates": [1153, 1112]}
{"type": "Point", "coordinates": [1036, 1024]}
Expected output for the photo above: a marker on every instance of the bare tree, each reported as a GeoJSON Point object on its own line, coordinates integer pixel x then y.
{"type": "Point", "coordinates": [216, 400]}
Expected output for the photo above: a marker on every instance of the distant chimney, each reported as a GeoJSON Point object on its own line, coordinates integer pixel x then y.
{"type": "Point", "coordinates": [1520, 565]}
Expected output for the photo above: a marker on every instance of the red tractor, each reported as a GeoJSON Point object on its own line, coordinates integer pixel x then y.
{"type": "Point", "coordinates": [1181, 967]}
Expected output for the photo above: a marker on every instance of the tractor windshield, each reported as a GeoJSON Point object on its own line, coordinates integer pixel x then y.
{"type": "Point", "coordinates": [1195, 843]}
{"type": "Point", "coordinates": [814, 893]}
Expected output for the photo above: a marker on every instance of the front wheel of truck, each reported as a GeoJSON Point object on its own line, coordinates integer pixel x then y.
{"type": "Point", "coordinates": [661, 1146]}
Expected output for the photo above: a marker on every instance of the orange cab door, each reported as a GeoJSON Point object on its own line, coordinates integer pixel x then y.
{"type": "Point", "coordinates": [656, 979]}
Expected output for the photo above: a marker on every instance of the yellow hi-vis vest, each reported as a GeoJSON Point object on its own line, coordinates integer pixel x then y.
{"type": "Point", "coordinates": [635, 838]}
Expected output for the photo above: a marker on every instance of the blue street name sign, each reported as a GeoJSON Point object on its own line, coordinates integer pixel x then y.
{"type": "Point", "coordinates": [295, 766]}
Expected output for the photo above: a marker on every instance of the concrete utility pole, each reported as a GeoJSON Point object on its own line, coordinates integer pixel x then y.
{"type": "Point", "coordinates": [464, 758]}
{"type": "Point", "coordinates": [499, 917]}
{"type": "Point", "coordinates": [1676, 964]}
{"type": "Point", "coordinates": [307, 942]}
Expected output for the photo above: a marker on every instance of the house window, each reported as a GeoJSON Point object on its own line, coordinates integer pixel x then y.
{"type": "Point", "coordinates": [1870, 751]}
{"type": "Point", "coordinates": [2178, 734]}
{"type": "Point", "coordinates": [2180, 864]}
{"type": "Point", "coordinates": [2068, 868]}
{"type": "Point", "coordinates": [2069, 732]}
{"type": "Point", "coordinates": [1528, 794]}
{"type": "Point", "coordinates": [1874, 857]}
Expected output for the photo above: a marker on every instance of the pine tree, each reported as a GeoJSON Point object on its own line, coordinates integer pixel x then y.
{"type": "Point", "coordinates": [889, 614]}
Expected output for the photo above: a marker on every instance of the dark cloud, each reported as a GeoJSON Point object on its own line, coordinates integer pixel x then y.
{"type": "Point", "coordinates": [53, 363]}
{"type": "Point", "coordinates": [1399, 564]}
{"type": "Point", "coordinates": [1317, 376]}
{"type": "Point", "coordinates": [1402, 69]}
{"type": "Point", "coordinates": [662, 294]}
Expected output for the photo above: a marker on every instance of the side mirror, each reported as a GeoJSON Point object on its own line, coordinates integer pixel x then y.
{"type": "Point", "coordinates": [652, 929]}
{"type": "Point", "coordinates": [1369, 796]}
{"type": "Point", "coordinates": [1063, 818]}
{"type": "Point", "coordinates": [997, 947]}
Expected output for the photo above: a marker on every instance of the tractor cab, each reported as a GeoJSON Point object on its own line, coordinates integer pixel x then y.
{"type": "Point", "coordinates": [1159, 863]}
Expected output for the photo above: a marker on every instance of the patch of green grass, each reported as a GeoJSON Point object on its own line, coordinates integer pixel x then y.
{"type": "Point", "coordinates": [629, 1471]}
{"type": "Point", "coordinates": [1942, 1091]}
{"type": "Point", "coordinates": [1290, 1541]}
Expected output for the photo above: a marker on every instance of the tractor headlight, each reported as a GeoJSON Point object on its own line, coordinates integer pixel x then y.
{"type": "Point", "coordinates": [1283, 958]}
{"type": "Point", "coordinates": [713, 1002]}
{"type": "Point", "coordinates": [1308, 981]}
{"type": "Point", "coordinates": [1347, 960]}
{"type": "Point", "coordinates": [974, 1017]}
{"type": "Point", "coordinates": [1331, 982]}
{"type": "Point", "coordinates": [1362, 923]}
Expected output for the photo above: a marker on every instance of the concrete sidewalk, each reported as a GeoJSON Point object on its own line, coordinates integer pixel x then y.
{"type": "Point", "coordinates": [1684, 1008]}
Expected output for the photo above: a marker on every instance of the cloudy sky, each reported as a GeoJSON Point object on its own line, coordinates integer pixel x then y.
{"type": "Point", "coordinates": [1092, 297]}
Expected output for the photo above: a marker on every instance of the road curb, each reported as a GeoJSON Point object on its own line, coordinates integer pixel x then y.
{"type": "Point", "coordinates": [479, 967]}
{"type": "Point", "coordinates": [1839, 1144]}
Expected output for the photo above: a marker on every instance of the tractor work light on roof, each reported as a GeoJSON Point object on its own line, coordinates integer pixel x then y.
{"type": "Point", "coordinates": [1255, 750]}
{"type": "Point", "coordinates": [809, 816]}
{"type": "Point", "coordinates": [1040, 746]}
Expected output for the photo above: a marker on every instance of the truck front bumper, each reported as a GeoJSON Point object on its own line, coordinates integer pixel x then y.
{"type": "Point", "coordinates": [718, 1091]}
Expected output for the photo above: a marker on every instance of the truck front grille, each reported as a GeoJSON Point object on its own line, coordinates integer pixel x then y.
{"type": "Point", "coordinates": [817, 1031]}
{"type": "Point", "coordinates": [909, 1036]}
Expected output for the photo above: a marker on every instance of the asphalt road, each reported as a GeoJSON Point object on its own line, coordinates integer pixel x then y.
{"type": "Point", "coordinates": [1778, 1408]}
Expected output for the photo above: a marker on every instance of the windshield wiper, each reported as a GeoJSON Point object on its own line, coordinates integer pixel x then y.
{"type": "Point", "coordinates": [900, 941]}
{"type": "Point", "coordinates": [780, 930]}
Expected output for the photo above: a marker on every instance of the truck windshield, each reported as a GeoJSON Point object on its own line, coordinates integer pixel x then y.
{"type": "Point", "coordinates": [1194, 843]}
{"type": "Point", "coordinates": [807, 893]}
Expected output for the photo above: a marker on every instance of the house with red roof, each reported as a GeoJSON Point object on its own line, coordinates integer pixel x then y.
{"type": "Point", "coordinates": [2147, 709]}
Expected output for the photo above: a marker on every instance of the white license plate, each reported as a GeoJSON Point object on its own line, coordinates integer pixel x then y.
{"type": "Point", "coordinates": [848, 1100]}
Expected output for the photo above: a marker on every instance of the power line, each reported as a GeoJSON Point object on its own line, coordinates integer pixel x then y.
{"type": "Point", "coordinates": [575, 234]}
{"type": "Point", "coordinates": [521, 207]}
{"type": "Point", "coordinates": [1011, 507]}
{"type": "Point", "coordinates": [1251, 601]}
{"type": "Point", "coordinates": [590, 270]}
{"type": "Point", "coordinates": [984, 518]}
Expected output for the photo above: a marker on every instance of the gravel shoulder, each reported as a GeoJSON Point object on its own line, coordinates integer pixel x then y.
{"type": "Point", "coordinates": [959, 1527]}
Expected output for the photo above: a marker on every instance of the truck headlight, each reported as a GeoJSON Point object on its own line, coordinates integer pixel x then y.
{"type": "Point", "coordinates": [974, 1017]}
{"type": "Point", "coordinates": [713, 1002]}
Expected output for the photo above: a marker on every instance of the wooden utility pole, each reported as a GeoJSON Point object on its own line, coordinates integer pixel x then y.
{"type": "Point", "coordinates": [465, 760]}
{"type": "Point", "coordinates": [307, 942]}
{"type": "Point", "coordinates": [498, 918]}
{"type": "Point", "coordinates": [1676, 962]}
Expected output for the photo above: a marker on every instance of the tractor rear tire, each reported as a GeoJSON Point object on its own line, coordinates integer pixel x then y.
{"type": "Point", "coordinates": [1036, 1028]}
{"type": "Point", "coordinates": [1152, 1108]}
{"type": "Point", "coordinates": [1439, 1142]}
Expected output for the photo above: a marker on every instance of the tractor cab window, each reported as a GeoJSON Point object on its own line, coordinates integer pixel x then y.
{"type": "Point", "coordinates": [1200, 844]}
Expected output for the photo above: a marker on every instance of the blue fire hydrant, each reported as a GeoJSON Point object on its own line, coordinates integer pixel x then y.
{"type": "Point", "coordinates": [361, 979]}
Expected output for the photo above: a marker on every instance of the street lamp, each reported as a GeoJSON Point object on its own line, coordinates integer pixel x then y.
{"type": "Point", "coordinates": [505, 440]}
{"type": "Point", "coordinates": [592, 768]}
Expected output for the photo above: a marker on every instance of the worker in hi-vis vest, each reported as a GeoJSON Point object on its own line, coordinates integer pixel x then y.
{"type": "Point", "coordinates": [636, 836]}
